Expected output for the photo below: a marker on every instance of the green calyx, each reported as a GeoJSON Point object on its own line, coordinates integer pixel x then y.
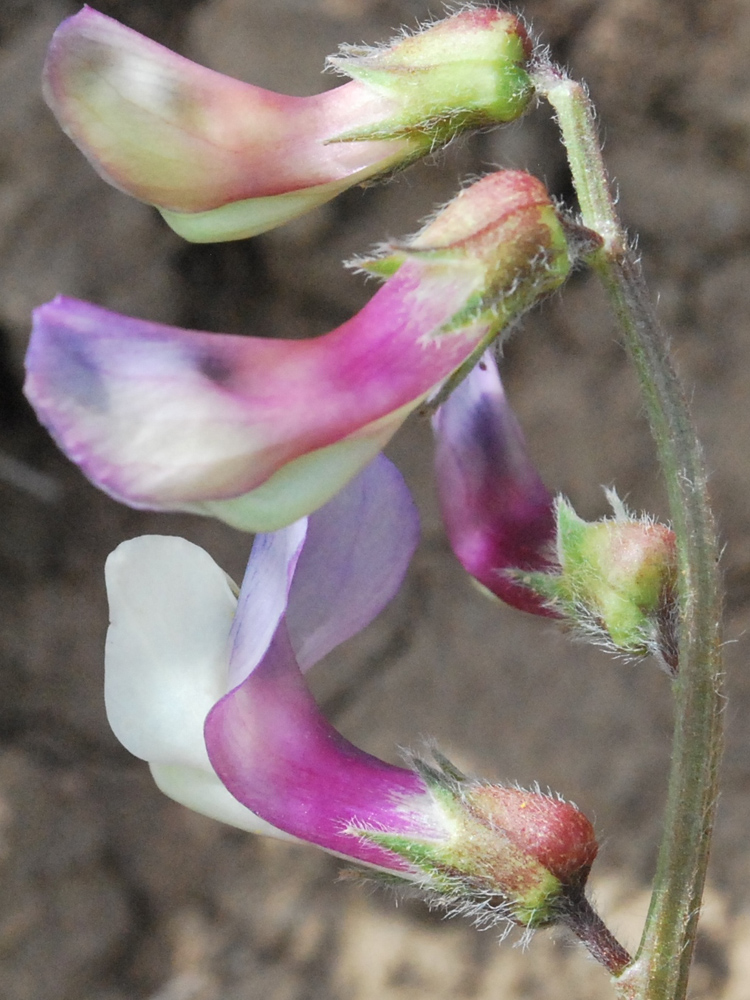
{"type": "Point", "coordinates": [520, 272]}
{"type": "Point", "coordinates": [468, 71]}
{"type": "Point", "coordinates": [511, 854]}
{"type": "Point", "coordinates": [507, 231]}
{"type": "Point", "coordinates": [504, 228]}
{"type": "Point", "coordinates": [617, 581]}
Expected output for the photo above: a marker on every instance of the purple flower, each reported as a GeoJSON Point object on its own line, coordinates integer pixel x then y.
{"type": "Point", "coordinates": [260, 432]}
{"type": "Point", "coordinates": [208, 688]}
{"type": "Point", "coordinates": [497, 511]}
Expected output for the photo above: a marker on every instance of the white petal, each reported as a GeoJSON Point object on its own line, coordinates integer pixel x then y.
{"type": "Point", "coordinates": [202, 792]}
{"type": "Point", "coordinates": [166, 659]}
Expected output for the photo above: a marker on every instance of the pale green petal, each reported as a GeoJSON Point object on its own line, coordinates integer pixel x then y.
{"type": "Point", "coordinates": [306, 483]}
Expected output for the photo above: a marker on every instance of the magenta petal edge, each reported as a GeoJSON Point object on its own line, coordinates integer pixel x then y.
{"type": "Point", "coordinates": [497, 511]}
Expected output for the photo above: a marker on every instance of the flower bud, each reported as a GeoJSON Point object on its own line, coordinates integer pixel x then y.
{"type": "Point", "coordinates": [617, 581]}
{"type": "Point", "coordinates": [497, 512]}
{"type": "Point", "coordinates": [512, 854]}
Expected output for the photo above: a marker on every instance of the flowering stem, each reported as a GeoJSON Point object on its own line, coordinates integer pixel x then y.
{"type": "Point", "coordinates": [583, 920]}
{"type": "Point", "coordinates": [661, 966]}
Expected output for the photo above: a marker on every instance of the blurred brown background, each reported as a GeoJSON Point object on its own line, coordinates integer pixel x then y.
{"type": "Point", "coordinates": [109, 891]}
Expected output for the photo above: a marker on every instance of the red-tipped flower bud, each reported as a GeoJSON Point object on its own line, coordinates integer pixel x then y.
{"type": "Point", "coordinates": [497, 512]}
{"type": "Point", "coordinates": [514, 855]}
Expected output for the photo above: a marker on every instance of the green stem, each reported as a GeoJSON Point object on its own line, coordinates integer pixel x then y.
{"type": "Point", "coordinates": [661, 966]}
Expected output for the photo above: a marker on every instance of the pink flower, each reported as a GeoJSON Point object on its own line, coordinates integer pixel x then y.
{"type": "Point", "coordinates": [223, 159]}
{"type": "Point", "coordinates": [181, 638]}
{"type": "Point", "coordinates": [261, 432]}
{"type": "Point", "coordinates": [208, 687]}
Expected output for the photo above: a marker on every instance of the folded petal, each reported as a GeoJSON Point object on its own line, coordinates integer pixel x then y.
{"type": "Point", "coordinates": [305, 483]}
{"type": "Point", "coordinates": [261, 432]}
{"type": "Point", "coordinates": [267, 739]}
{"type": "Point", "coordinates": [166, 418]}
{"type": "Point", "coordinates": [224, 159]}
{"type": "Point", "coordinates": [189, 139]}
{"type": "Point", "coordinates": [355, 557]}
{"type": "Point", "coordinates": [277, 754]}
{"type": "Point", "coordinates": [329, 574]}
{"type": "Point", "coordinates": [498, 514]}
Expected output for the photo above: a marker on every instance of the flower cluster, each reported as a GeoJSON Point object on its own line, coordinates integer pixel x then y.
{"type": "Point", "coordinates": [207, 685]}
{"type": "Point", "coordinates": [205, 682]}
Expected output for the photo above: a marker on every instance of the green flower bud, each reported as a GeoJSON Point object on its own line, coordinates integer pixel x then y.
{"type": "Point", "coordinates": [509, 223]}
{"type": "Point", "coordinates": [465, 72]}
{"type": "Point", "coordinates": [617, 581]}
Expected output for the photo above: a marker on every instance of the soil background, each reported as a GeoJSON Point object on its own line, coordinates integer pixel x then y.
{"type": "Point", "coordinates": [111, 892]}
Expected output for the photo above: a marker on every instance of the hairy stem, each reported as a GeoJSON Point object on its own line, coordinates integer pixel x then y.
{"type": "Point", "coordinates": [581, 918]}
{"type": "Point", "coordinates": [661, 966]}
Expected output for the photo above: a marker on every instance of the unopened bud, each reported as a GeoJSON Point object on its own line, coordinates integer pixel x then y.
{"type": "Point", "coordinates": [512, 855]}
{"type": "Point", "coordinates": [617, 581]}
{"type": "Point", "coordinates": [496, 510]}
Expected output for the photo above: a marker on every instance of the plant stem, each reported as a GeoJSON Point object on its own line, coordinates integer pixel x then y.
{"type": "Point", "coordinates": [661, 966]}
{"type": "Point", "coordinates": [583, 920]}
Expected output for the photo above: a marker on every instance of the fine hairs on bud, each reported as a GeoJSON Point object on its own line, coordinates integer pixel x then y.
{"type": "Point", "coordinates": [485, 908]}
{"type": "Point", "coordinates": [363, 52]}
{"type": "Point", "coordinates": [465, 70]}
{"type": "Point", "coordinates": [657, 636]}
{"type": "Point", "coordinates": [615, 582]}
{"type": "Point", "coordinates": [513, 857]}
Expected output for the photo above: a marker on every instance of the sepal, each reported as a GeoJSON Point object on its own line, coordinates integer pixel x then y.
{"type": "Point", "coordinates": [616, 582]}
{"type": "Point", "coordinates": [467, 71]}
{"type": "Point", "coordinates": [512, 855]}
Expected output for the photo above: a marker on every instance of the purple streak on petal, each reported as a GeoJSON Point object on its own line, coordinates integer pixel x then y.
{"type": "Point", "coordinates": [355, 557]}
{"type": "Point", "coordinates": [496, 509]}
{"type": "Point", "coordinates": [277, 754]}
{"type": "Point", "coordinates": [160, 417]}
{"type": "Point", "coordinates": [77, 371]}
{"type": "Point", "coordinates": [342, 565]}
{"type": "Point", "coordinates": [264, 596]}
